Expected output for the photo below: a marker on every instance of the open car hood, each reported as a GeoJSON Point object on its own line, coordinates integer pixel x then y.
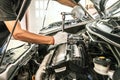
{"type": "Point", "coordinates": [112, 11]}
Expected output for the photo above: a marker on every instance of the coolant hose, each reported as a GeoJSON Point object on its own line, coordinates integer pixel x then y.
{"type": "Point", "coordinates": [41, 71]}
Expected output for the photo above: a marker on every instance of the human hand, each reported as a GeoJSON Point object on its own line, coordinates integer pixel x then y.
{"type": "Point", "coordinates": [77, 12]}
{"type": "Point", "coordinates": [60, 37]}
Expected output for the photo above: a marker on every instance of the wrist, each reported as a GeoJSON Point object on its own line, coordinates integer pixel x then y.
{"type": "Point", "coordinates": [76, 6]}
{"type": "Point", "coordinates": [52, 41]}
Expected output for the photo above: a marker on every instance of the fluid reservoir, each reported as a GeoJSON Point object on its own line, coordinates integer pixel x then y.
{"type": "Point", "coordinates": [101, 65]}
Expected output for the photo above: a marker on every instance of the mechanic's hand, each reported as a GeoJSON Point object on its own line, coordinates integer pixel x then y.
{"type": "Point", "coordinates": [60, 37]}
{"type": "Point", "coordinates": [77, 12]}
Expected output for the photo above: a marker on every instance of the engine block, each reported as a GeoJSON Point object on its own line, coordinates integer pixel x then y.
{"type": "Point", "coordinates": [69, 57]}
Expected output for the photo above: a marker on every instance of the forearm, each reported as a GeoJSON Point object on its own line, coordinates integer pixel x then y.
{"type": "Point", "coordinates": [33, 38]}
{"type": "Point", "coordinates": [70, 3]}
{"type": "Point", "coordinates": [26, 36]}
